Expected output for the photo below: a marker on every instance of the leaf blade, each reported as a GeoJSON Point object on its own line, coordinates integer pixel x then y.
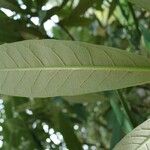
{"type": "Point", "coordinates": [137, 139]}
{"type": "Point", "coordinates": [47, 68]}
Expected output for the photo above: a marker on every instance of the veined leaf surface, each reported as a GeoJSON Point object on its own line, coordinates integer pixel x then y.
{"type": "Point", "coordinates": [138, 139]}
{"type": "Point", "coordinates": [46, 68]}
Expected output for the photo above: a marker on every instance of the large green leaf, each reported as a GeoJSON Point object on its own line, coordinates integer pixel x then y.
{"type": "Point", "coordinates": [142, 3]}
{"type": "Point", "coordinates": [45, 68]}
{"type": "Point", "coordinates": [138, 139]}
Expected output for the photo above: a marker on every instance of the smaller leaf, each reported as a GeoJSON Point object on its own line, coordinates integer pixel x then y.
{"type": "Point", "coordinates": [138, 139]}
{"type": "Point", "coordinates": [116, 131]}
{"type": "Point", "coordinates": [120, 116]}
{"type": "Point", "coordinates": [67, 131]}
{"type": "Point", "coordinates": [146, 35]}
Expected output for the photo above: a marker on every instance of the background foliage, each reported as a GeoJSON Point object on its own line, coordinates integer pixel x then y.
{"type": "Point", "coordinates": [90, 122]}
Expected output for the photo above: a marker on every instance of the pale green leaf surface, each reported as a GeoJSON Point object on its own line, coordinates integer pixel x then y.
{"type": "Point", "coordinates": [142, 3]}
{"type": "Point", "coordinates": [46, 68]}
{"type": "Point", "coordinates": [138, 139]}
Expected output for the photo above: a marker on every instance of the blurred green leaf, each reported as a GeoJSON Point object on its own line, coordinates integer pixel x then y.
{"type": "Point", "coordinates": [66, 129]}
{"type": "Point", "coordinates": [117, 131]}
{"type": "Point", "coordinates": [146, 35]}
{"type": "Point", "coordinates": [142, 3]}
{"type": "Point", "coordinates": [120, 116]}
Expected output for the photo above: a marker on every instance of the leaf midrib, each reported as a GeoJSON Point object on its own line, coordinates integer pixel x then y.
{"type": "Point", "coordinates": [100, 68]}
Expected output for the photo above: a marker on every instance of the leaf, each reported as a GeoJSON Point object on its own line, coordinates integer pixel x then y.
{"type": "Point", "coordinates": [17, 30]}
{"type": "Point", "coordinates": [14, 135]}
{"type": "Point", "coordinates": [8, 33]}
{"type": "Point", "coordinates": [116, 131]}
{"type": "Point", "coordinates": [75, 18]}
{"type": "Point", "coordinates": [47, 68]}
{"type": "Point", "coordinates": [67, 130]}
{"type": "Point", "coordinates": [142, 3]}
{"type": "Point", "coordinates": [146, 39]}
{"type": "Point", "coordinates": [120, 116]}
{"type": "Point", "coordinates": [138, 139]}
{"type": "Point", "coordinates": [146, 34]}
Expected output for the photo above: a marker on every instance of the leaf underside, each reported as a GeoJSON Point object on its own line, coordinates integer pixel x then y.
{"type": "Point", "coordinates": [47, 68]}
{"type": "Point", "coordinates": [138, 139]}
